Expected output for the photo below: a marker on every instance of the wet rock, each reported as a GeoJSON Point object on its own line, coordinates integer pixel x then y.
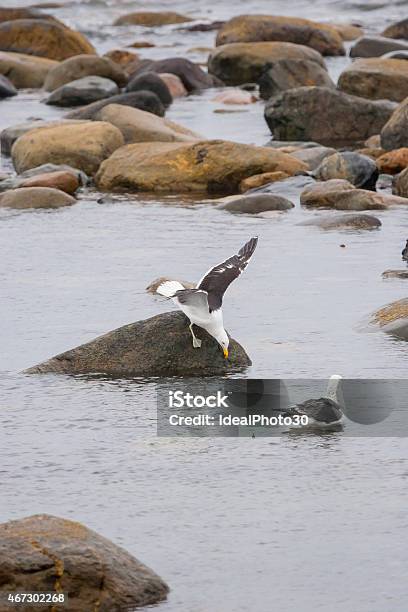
{"type": "Point", "coordinates": [397, 30]}
{"type": "Point", "coordinates": [401, 274]}
{"type": "Point", "coordinates": [258, 28]}
{"type": "Point", "coordinates": [320, 194]}
{"type": "Point", "coordinates": [50, 554]}
{"type": "Point", "coordinates": [393, 162]}
{"type": "Point", "coordinates": [9, 135]}
{"type": "Point", "coordinates": [289, 74]}
{"type": "Point", "coordinates": [235, 96]}
{"type": "Point", "coordinates": [348, 199]}
{"type": "Point", "coordinates": [289, 146]}
{"type": "Point", "coordinates": [151, 19]}
{"type": "Point", "coordinates": [325, 115]}
{"type": "Point", "coordinates": [239, 63]}
{"type": "Point", "coordinates": [258, 180]}
{"type": "Point", "coordinates": [359, 170]}
{"type": "Point", "coordinates": [394, 134]}
{"type": "Point", "coordinates": [313, 156]}
{"type": "Point", "coordinates": [396, 55]}
{"type": "Point", "coordinates": [81, 66]}
{"type": "Point", "coordinates": [25, 71]}
{"type": "Point", "coordinates": [174, 84]}
{"type": "Point", "coordinates": [204, 27]}
{"type": "Point", "coordinates": [213, 166]}
{"type": "Point", "coordinates": [7, 89]}
{"type": "Point", "coordinates": [159, 346]}
{"type": "Point", "coordinates": [376, 79]}
{"type": "Point", "coordinates": [143, 100]}
{"type": "Point", "coordinates": [375, 46]}
{"type": "Point", "coordinates": [82, 146]}
{"type": "Point", "coordinates": [35, 197]}
{"type": "Point", "coordinates": [138, 126]}
{"type": "Point", "coordinates": [150, 81]}
{"type": "Point", "coordinates": [51, 168]}
{"type": "Point", "coordinates": [155, 284]}
{"type": "Point", "coordinates": [83, 91]}
{"type": "Point", "coordinates": [142, 44]}
{"type": "Point", "coordinates": [122, 58]}
{"type": "Point", "coordinates": [11, 14]}
{"type": "Point", "coordinates": [44, 38]}
{"type": "Point", "coordinates": [64, 181]}
{"type": "Point", "coordinates": [392, 319]}
{"type": "Point", "coordinates": [348, 31]}
{"type": "Point", "coordinates": [400, 185]}
{"type": "Point", "coordinates": [344, 222]}
{"type": "Point", "coordinates": [256, 203]}
{"type": "Point", "coordinates": [191, 75]}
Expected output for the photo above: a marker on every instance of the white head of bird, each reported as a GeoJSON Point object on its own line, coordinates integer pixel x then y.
{"type": "Point", "coordinates": [223, 341]}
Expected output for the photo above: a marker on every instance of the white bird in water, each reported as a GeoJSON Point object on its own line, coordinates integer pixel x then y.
{"type": "Point", "coordinates": [323, 412]}
{"type": "Point", "coordinates": [203, 305]}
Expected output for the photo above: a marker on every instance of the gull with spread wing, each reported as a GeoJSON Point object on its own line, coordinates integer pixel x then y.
{"type": "Point", "coordinates": [203, 305]}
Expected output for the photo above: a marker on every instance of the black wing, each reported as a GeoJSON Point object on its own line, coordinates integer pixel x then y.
{"type": "Point", "coordinates": [218, 279]}
{"type": "Point", "coordinates": [405, 252]}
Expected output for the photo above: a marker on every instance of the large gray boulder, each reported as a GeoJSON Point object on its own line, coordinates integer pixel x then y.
{"type": "Point", "coordinates": [289, 74]}
{"type": "Point", "coordinates": [144, 100]}
{"type": "Point", "coordinates": [325, 115]}
{"type": "Point", "coordinates": [240, 63]}
{"type": "Point", "coordinates": [159, 346]}
{"type": "Point", "coordinates": [44, 553]}
{"type": "Point", "coordinates": [83, 91]}
{"type": "Point", "coordinates": [359, 170]}
{"type": "Point", "coordinates": [376, 46]}
{"type": "Point", "coordinates": [349, 221]}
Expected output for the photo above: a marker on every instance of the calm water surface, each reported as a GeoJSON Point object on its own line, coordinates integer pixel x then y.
{"type": "Point", "coordinates": [302, 522]}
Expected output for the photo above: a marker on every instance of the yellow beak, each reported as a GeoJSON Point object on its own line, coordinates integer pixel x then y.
{"type": "Point", "coordinates": [225, 353]}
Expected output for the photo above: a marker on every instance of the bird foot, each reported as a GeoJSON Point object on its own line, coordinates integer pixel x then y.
{"type": "Point", "coordinates": [196, 343]}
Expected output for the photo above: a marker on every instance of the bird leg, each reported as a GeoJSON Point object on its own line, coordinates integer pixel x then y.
{"type": "Point", "coordinates": [196, 341]}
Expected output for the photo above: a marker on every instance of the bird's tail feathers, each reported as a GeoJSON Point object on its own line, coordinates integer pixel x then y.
{"type": "Point", "coordinates": [169, 288]}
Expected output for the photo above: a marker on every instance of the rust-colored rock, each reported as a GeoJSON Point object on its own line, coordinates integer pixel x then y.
{"type": "Point", "coordinates": [393, 162]}
{"type": "Point", "coordinates": [44, 553]}
{"type": "Point", "coordinates": [261, 179]}
{"type": "Point", "coordinates": [64, 181]}
{"type": "Point", "coordinates": [43, 38]}
{"type": "Point", "coordinates": [151, 19]}
{"type": "Point", "coordinates": [257, 28]}
{"type": "Point", "coordinates": [213, 166]}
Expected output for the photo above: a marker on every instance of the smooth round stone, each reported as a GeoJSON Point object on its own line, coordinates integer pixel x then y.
{"type": "Point", "coordinates": [83, 91]}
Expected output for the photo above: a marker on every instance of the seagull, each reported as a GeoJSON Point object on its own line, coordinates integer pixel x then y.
{"type": "Point", "coordinates": [405, 252]}
{"type": "Point", "coordinates": [323, 412]}
{"type": "Point", "coordinates": [203, 304]}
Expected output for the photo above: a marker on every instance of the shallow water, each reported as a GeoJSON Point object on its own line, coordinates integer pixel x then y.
{"type": "Point", "coordinates": [302, 522]}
